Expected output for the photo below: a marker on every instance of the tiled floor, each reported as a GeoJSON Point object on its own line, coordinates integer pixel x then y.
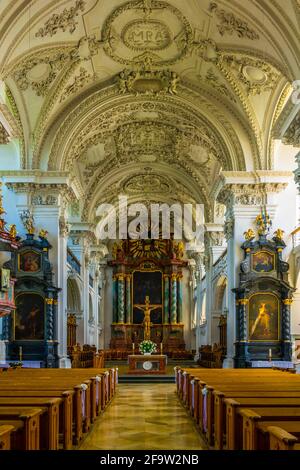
{"type": "Point", "coordinates": [144, 417]}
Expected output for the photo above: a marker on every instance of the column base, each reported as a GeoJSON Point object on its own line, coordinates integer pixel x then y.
{"type": "Point", "coordinates": [228, 363]}
{"type": "Point", "coordinates": [64, 363]}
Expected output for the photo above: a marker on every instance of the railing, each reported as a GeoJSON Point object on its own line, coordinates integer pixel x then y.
{"type": "Point", "coordinates": [73, 261]}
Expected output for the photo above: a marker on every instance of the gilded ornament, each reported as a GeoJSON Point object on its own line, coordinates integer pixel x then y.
{"type": "Point", "coordinates": [249, 234]}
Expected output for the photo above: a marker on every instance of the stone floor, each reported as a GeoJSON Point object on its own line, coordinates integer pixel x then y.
{"type": "Point", "coordinates": [144, 417]}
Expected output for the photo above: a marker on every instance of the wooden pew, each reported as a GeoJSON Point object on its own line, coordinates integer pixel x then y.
{"type": "Point", "coordinates": [49, 388]}
{"type": "Point", "coordinates": [26, 422]}
{"type": "Point", "coordinates": [251, 417]}
{"type": "Point", "coordinates": [100, 391]}
{"type": "Point", "coordinates": [5, 432]}
{"type": "Point", "coordinates": [233, 420]}
{"type": "Point", "coordinates": [49, 419]}
{"type": "Point", "coordinates": [281, 439]}
{"type": "Point", "coordinates": [66, 409]}
{"type": "Point", "coordinates": [220, 408]}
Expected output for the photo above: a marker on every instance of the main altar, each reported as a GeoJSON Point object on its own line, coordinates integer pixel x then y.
{"type": "Point", "coordinates": [150, 269]}
{"type": "Point", "coordinates": [142, 364]}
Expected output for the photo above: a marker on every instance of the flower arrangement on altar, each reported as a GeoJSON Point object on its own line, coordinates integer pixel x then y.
{"type": "Point", "coordinates": [147, 346]}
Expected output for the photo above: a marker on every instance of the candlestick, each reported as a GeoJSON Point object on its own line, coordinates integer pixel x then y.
{"type": "Point", "coordinates": [270, 354]}
{"type": "Point", "coordinates": [133, 347]}
{"type": "Point", "coordinates": [20, 353]}
{"type": "Point", "coordinates": [161, 348]}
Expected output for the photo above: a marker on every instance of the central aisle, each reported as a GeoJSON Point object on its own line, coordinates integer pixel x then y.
{"type": "Point", "coordinates": [144, 417]}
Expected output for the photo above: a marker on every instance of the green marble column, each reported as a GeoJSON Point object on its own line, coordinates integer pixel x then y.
{"type": "Point", "coordinates": [115, 299]}
{"type": "Point", "coordinates": [179, 298]}
{"type": "Point", "coordinates": [173, 299]}
{"type": "Point", "coordinates": [128, 299]}
{"type": "Point", "coordinates": [166, 298]}
{"type": "Point", "coordinates": [121, 298]}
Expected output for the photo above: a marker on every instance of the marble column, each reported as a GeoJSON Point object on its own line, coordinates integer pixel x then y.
{"type": "Point", "coordinates": [121, 298]}
{"type": "Point", "coordinates": [115, 298]}
{"type": "Point", "coordinates": [128, 318]}
{"type": "Point", "coordinates": [173, 298]}
{"type": "Point", "coordinates": [166, 299]}
{"type": "Point", "coordinates": [179, 298]}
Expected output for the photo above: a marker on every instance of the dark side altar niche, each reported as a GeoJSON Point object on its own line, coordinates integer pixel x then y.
{"type": "Point", "coordinates": [263, 299]}
{"type": "Point", "coordinates": [150, 268]}
{"type": "Point", "coordinates": [31, 331]}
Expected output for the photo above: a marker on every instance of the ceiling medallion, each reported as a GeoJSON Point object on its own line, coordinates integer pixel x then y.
{"type": "Point", "coordinates": [253, 74]}
{"type": "Point", "coordinates": [152, 32]}
{"type": "Point", "coordinates": [145, 34]}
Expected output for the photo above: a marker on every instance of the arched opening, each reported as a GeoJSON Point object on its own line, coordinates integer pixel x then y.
{"type": "Point", "coordinates": [73, 312]}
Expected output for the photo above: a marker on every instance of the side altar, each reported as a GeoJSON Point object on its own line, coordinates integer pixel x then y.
{"type": "Point", "coordinates": [147, 269]}
{"type": "Point", "coordinates": [263, 299]}
{"type": "Point", "coordinates": [147, 364]}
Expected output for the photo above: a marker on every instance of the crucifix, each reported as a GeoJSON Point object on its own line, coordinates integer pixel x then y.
{"type": "Point", "coordinates": [147, 308]}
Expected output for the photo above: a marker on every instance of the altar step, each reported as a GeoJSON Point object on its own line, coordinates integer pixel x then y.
{"type": "Point", "coordinates": [146, 379]}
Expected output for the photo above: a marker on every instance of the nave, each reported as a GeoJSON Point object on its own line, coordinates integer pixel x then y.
{"type": "Point", "coordinates": [144, 417]}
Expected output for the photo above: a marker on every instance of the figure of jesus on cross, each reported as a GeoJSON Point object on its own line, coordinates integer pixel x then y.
{"type": "Point", "coordinates": [147, 309]}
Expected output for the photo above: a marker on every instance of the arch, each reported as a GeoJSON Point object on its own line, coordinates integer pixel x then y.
{"type": "Point", "coordinates": [220, 301]}
{"type": "Point", "coordinates": [73, 297]}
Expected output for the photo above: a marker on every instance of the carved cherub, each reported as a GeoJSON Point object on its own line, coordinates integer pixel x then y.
{"type": "Point", "coordinates": [174, 79]}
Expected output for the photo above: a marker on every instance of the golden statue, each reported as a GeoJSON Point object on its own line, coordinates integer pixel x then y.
{"type": "Point", "coordinates": [13, 231]}
{"type": "Point", "coordinates": [249, 234]}
{"type": "Point", "coordinates": [279, 234]}
{"type": "Point", "coordinates": [43, 233]}
{"type": "Point", "coordinates": [147, 308]}
{"type": "Point", "coordinates": [262, 318]}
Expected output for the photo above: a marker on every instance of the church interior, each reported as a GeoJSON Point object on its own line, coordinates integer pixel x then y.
{"type": "Point", "coordinates": [111, 112]}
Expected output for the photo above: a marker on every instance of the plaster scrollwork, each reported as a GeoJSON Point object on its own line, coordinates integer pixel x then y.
{"type": "Point", "coordinates": [78, 82]}
{"type": "Point", "coordinates": [212, 79]}
{"type": "Point", "coordinates": [147, 183]}
{"type": "Point", "coordinates": [39, 70]}
{"type": "Point", "coordinates": [292, 134]}
{"type": "Point", "coordinates": [148, 82]}
{"type": "Point", "coordinates": [229, 228]}
{"type": "Point", "coordinates": [149, 37]}
{"type": "Point", "coordinates": [256, 75]}
{"type": "Point", "coordinates": [231, 24]}
{"type": "Point", "coordinates": [64, 227]}
{"type": "Point", "coordinates": [44, 200]}
{"type": "Point", "coordinates": [15, 112]}
{"type": "Point", "coordinates": [248, 194]}
{"type": "Point", "coordinates": [4, 137]}
{"type": "Point", "coordinates": [217, 238]}
{"type": "Point", "coordinates": [66, 20]}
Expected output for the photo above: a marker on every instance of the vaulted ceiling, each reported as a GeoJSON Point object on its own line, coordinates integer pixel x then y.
{"type": "Point", "coordinates": [147, 98]}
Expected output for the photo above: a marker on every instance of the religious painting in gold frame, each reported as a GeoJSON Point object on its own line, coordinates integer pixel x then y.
{"type": "Point", "coordinates": [29, 261]}
{"type": "Point", "coordinates": [263, 317]}
{"type": "Point", "coordinates": [29, 317]}
{"type": "Point", "coordinates": [263, 261]}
